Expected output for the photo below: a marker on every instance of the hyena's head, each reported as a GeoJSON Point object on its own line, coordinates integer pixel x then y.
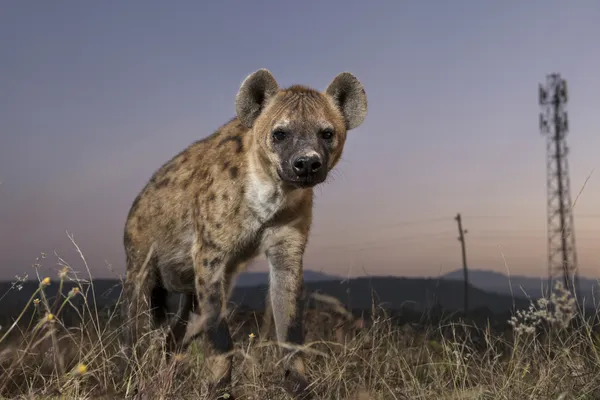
{"type": "Point", "coordinates": [299, 133]}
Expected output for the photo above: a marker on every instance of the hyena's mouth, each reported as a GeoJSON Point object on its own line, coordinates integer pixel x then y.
{"type": "Point", "coordinates": [307, 183]}
{"type": "Point", "coordinates": [302, 183]}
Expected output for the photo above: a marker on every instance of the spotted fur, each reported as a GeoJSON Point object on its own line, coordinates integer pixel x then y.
{"type": "Point", "coordinates": [244, 190]}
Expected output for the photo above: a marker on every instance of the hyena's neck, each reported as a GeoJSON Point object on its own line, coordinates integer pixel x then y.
{"type": "Point", "coordinates": [266, 195]}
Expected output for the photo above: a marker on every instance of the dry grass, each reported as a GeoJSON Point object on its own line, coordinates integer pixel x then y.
{"type": "Point", "coordinates": [541, 358]}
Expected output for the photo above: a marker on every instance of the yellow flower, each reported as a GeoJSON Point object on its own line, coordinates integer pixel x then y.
{"type": "Point", "coordinates": [46, 281]}
{"type": "Point", "coordinates": [36, 302]}
{"type": "Point", "coordinates": [252, 336]}
{"type": "Point", "coordinates": [49, 317]}
{"type": "Point", "coordinates": [81, 369]}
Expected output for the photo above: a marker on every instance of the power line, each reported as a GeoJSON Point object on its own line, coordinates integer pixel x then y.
{"type": "Point", "coordinates": [425, 221]}
{"type": "Point", "coordinates": [394, 240]}
{"type": "Point", "coordinates": [365, 249]}
{"type": "Point", "coordinates": [525, 216]}
{"type": "Point", "coordinates": [417, 222]}
{"type": "Point", "coordinates": [524, 231]}
{"type": "Point", "coordinates": [434, 239]}
{"type": "Point", "coordinates": [476, 235]}
{"type": "Point", "coordinates": [391, 225]}
{"type": "Point", "coordinates": [529, 216]}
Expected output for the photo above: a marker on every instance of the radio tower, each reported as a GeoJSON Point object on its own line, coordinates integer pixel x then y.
{"type": "Point", "coordinates": [562, 255]}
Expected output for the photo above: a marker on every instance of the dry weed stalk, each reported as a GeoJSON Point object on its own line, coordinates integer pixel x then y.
{"type": "Point", "coordinates": [351, 358]}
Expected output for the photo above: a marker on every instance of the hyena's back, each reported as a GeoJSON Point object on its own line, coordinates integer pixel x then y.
{"type": "Point", "coordinates": [195, 192]}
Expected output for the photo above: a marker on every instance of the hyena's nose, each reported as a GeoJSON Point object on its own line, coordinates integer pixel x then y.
{"type": "Point", "coordinates": [305, 166]}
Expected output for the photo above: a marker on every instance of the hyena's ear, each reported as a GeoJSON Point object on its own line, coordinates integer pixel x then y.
{"type": "Point", "coordinates": [349, 95]}
{"type": "Point", "coordinates": [254, 93]}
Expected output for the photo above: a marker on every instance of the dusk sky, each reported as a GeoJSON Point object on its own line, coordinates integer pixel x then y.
{"type": "Point", "coordinates": [95, 96]}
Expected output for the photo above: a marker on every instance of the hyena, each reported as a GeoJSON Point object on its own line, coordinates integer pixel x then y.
{"type": "Point", "coordinates": [246, 189]}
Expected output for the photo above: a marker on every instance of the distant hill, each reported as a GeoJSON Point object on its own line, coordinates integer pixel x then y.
{"type": "Point", "coordinates": [499, 283]}
{"type": "Point", "coordinates": [358, 293]}
{"type": "Point", "coordinates": [393, 293]}
{"type": "Point", "coordinates": [246, 279]}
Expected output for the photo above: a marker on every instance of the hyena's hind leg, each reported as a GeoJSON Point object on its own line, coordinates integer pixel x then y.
{"type": "Point", "coordinates": [136, 302]}
{"type": "Point", "coordinates": [178, 326]}
{"type": "Point", "coordinates": [159, 304]}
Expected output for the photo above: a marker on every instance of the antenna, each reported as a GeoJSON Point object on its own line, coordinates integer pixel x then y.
{"type": "Point", "coordinates": [562, 254]}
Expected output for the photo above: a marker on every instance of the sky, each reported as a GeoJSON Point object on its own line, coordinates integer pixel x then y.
{"type": "Point", "coordinates": [95, 96]}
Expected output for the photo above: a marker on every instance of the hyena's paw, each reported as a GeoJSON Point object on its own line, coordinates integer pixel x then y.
{"type": "Point", "coordinates": [297, 386]}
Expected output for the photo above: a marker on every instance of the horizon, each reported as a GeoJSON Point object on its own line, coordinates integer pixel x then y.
{"type": "Point", "coordinates": [344, 278]}
{"type": "Point", "coordinates": [97, 97]}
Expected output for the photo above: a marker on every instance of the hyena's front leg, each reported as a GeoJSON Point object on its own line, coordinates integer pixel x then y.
{"type": "Point", "coordinates": [284, 253]}
{"type": "Point", "coordinates": [210, 291]}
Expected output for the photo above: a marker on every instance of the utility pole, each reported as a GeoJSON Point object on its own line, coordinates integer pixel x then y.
{"type": "Point", "coordinates": [562, 255]}
{"type": "Point", "coordinates": [461, 239]}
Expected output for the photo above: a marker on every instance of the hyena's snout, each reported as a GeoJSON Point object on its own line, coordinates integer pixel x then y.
{"type": "Point", "coordinates": [308, 165]}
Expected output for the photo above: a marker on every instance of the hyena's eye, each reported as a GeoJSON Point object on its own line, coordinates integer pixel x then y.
{"type": "Point", "coordinates": [279, 135]}
{"type": "Point", "coordinates": [327, 134]}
